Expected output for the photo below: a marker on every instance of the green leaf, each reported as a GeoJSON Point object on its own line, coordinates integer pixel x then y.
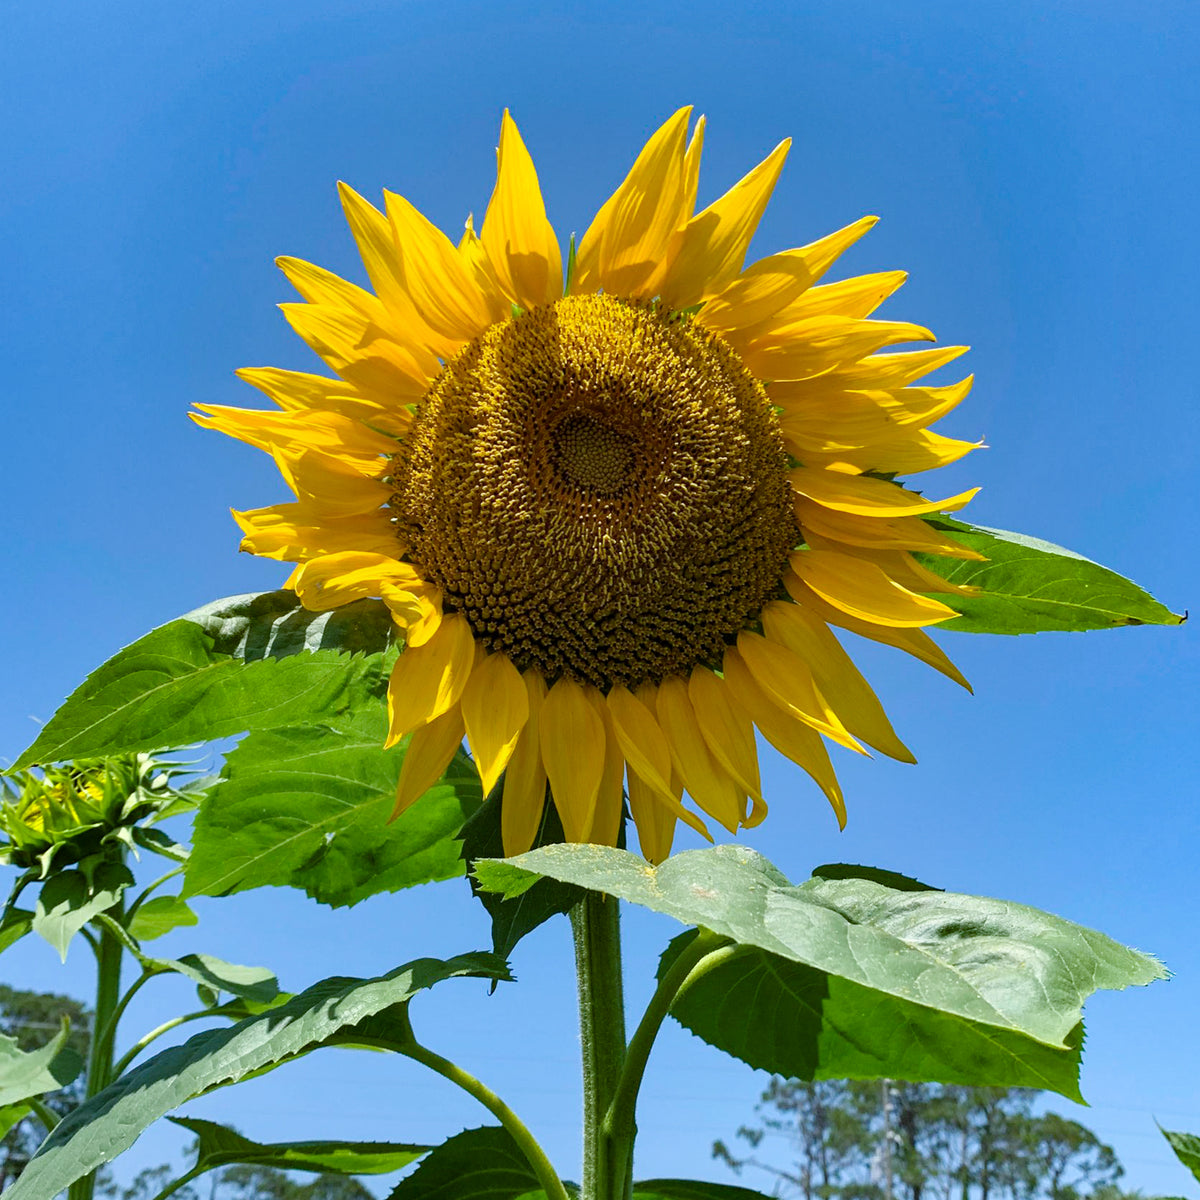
{"type": "Point", "coordinates": [1031, 586]}
{"type": "Point", "coordinates": [16, 924]}
{"type": "Point", "coordinates": [337, 1011]}
{"type": "Point", "coordinates": [479, 1164]}
{"type": "Point", "coordinates": [257, 984]}
{"type": "Point", "coordinates": [513, 919]}
{"type": "Point", "coordinates": [1187, 1149]}
{"type": "Point", "coordinates": [309, 808]}
{"type": "Point", "coordinates": [25, 1074]}
{"type": "Point", "coordinates": [219, 1146]}
{"type": "Point", "coordinates": [691, 1189]}
{"type": "Point", "coordinates": [13, 1114]}
{"type": "Point", "coordinates": [820, 978]}
{"type": "Point", "coordinates": [257, 661]}
{"type": "Point", "coordinates": [160, 915]}
{"type": "Point", "coordinates": [67, 902]}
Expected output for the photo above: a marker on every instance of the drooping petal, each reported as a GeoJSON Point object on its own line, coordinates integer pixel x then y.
{"type": "Point", "coordinates": [729, 736]}
{"type": "Point", "coordinates": [573, 750]}
{"type": "Point", "coordinates": [495, 707]}
{"type": "Point", "coordinates": [428, 680]}
{"type": "Point", "coordinates": [429, 753]}
{"type": "Point", "coordinates": [714, 242]}
{"type": "Point", "coordinates": [654, 820]}
{"type": "Point", "coordinates": [641, 739]}
{"type": "Point", "coordinates": [525, 778]}
{"type": "Point", "coordinates": [792, 738]}
{"type": "Point", "coordinates": [606, 825]}
{"type": "Point", "coordinates": [787, 681]}
{"type": "Point", "coordinates": [706, 781]}
{"type": "Point", "coordinates": [836, 677]}
{"type": "Point", "coordinates": [624, 246]}
{"type": "Point", "coordinates": [518, 238]}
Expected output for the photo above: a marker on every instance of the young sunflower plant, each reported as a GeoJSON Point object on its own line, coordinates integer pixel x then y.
{"type": "Point", "coordinates": [604, 519]}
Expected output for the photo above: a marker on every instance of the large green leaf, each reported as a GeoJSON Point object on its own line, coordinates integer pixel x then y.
{"type": "Point", "coordinates": [258, 661]}
{"type": "Point", "coordinates": [160, 915]}
{"type": "Point", "coordinates": [309, 808]}
{"type": "Point", "coordinates": [68, 900]}
{"type": "Point", "coordinates": [1031, 586]}
{"type": "Point", "coordinates": [849, 976]}
{"type": "Point", "coordinates": [219, 1146]}
{"type": "Point", "coordinates": [257, 984]}
{"type": "Point", "coordinates": [513, 919]}
{"type": "Point", "coordinates": [15, 924]}
{"type": "Point", "coordinates": [337, 1011]}
{"type": "Point", "coordinates": [1187, 1150]}
{"type": "Point", "coordinates": [477, 1164]}
{"type": "Point", "coordinates": [25, 1074]}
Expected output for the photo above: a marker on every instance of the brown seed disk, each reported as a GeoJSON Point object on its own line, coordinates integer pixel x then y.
{"type": "Point", "coordinates": [600, 488]}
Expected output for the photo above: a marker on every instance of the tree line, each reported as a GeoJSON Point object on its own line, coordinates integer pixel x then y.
{"type": "Point", "coordinates": [847, 1140]}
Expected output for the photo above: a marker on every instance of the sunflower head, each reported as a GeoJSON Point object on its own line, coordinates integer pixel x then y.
{"type": "Point", "coordinates": [616, 521]}
{"type": "Point", "coordinates": [61, 815]}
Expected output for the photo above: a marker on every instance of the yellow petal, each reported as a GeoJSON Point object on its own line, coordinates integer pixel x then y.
{"type": "Point", "coordinates": [883, 533]}
{"type": "Point", "coordinates": [429, 753]}
{"type": "Point", "coordinates": [865, 590]}
{"type": "Point", "coordinates": [641, 739]}
{"type": "Point", "coordinates": [335, 579]}
{"type": "Point", "coordinates": [912, 641]}
{"type": "Point", "coordinates": [706, 781]}
{"type": "Point", "coordinates": [654, 820]}
{"type": "Point", "coordinates": [573, 750]}
{"type": "Point", "coordinates": [297, 391]}
{"type": "Point", "coordinates": [495, 707]}
{"type": "Point", "coordinates": [792, 738]}
{"type": "Point", "coordinates": [715, 241]}
{"type": "Point", "coordinates": [330, 432]}
{"type": "Point", "coordinates": [624, 246]}
{"type": "Point", "coordinates": [768, 285]}
{"type": "Point", "coordinates": [293, 532]}
{"type": "Point", "coordinates": [868, 497]}
{"type": "Point", "coordinates": [377, 246]}
{"type": "Point", "coordinates": [606, 825]}
{"type": "Point", "coordinates": [893, 370]}
{"type": "Point", "coordinates": [525, 780]}
{"type": "Point", "coordinates": [325, 482]}
{"type": "Point", "coordinates": [519, 240]}
{"type": "Point", "coordinates": [428, 680]}
{"type": "Point", "coordinates": [815, 345]}
{"type": "Point", "coordinates": [908, 451]}
{"type": "Point", "coordinates": [416, 609]}
{"type": "Point", "coordinates": [836, 677]}
{"type": "Point", "coordinates": [729, 736]}
{"type": "Point", "coordinates": [441, 284]}
{"type": "Point", "coordinates": [902, 568]}
{"type": "Point", "coordinates": [787, 681]}
{"type": "Point", "coordinates": [858, 297]}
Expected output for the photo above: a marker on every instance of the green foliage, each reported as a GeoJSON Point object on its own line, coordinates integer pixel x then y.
{"type": "Point", "coordinates": [309, 808]}
{"type": "Point", "coordinates": [256, 984]}
{"type": "Point", "coordinates": [1031, 586]}
{"type": "Point", "coordinates": [16, 923]}
{"type": "Point", "coordinates": [28, 1073]}
{"type": "Point", "coordinates": [815, 980]}
{"type": "Point", "coordinates": [483, 1164]}
{"type": "Point", "coordinates": [70, 899]}
{"type": "Point", "coordinates": [219, 1146]}
{"type": "Point", "coordinates": [1187, 1150]}
{"type": "Point", "coordinates": [244, 663]}
{"type": "Point", "coordinates": [335, 1012]}
{"type": "Point", "coordinates": [160, 915]}
{"type": "Point", "coordinates": [513, 919]}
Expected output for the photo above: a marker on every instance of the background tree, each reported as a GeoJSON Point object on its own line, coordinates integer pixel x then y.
{"type": "Point", "coordinates": [902, 1141]}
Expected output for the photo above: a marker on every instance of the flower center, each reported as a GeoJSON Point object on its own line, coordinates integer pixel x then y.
{"type": "Point", "coordinates": [600, 488]}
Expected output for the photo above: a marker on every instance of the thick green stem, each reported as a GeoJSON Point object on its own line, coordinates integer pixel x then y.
{"type": "Point", "coordinates": [596, 920]}
{"type": "Point", "coordinates": [705, 951]}
{"type": "Point", "coordinates": [100, 1054]}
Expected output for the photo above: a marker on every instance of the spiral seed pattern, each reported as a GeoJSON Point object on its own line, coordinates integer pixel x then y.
{"type": "Point", "coordinates": [599, 487]}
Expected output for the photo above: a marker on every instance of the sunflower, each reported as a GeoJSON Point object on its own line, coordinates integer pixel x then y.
{"type": "Point", "coordinates": [614, 521]}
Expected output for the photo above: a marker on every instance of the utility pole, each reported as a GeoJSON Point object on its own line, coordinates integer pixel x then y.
{"type": "Point", "coordinates": [886, 1090]}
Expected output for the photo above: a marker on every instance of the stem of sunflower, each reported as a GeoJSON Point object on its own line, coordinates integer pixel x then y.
{"type": "Point", "coordinates": [596, 921]}
{"type": "Point", "coordinates": [109, 952]}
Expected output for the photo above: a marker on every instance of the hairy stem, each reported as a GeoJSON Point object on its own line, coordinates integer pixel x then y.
{"type": "Point", "coordinates": [596, 921]}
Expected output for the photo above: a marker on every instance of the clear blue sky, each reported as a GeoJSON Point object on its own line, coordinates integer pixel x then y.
{"type": "Point", "coordinates": [1034, 164]}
